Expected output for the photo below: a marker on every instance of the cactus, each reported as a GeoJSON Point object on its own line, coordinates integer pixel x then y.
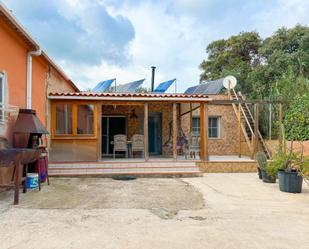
{"type": "Point", "coordinates": [262, 159]}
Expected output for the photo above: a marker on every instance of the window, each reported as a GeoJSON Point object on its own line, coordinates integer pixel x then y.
{"type": "Point", "coordinates": [85, 119]}
{"type": "Point", "coordinates": [214, 124]}
{"type": "Point", "coordinates": [63, 119]}
{"type": "Point", "coordinates": [214, 127]}
{"type": "Point", "coordinates": [2, 97]}
{"type": "Point", "coordinates": [74, 120]}
{"type": "Point", "coordinates": [196, 125]}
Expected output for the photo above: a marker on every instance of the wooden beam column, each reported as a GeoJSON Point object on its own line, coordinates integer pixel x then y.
{"type": "Point", "coordinates": [175, 131]}
{"type": "Point", "coordinates": [99, 131]}
{"type": "Point", "coordinates": [204, 132]}
{"type": "Point", "coordinates": [256, 128]}
{"type": "Point", "coordinates": [280, 128]}
{"type": "Point", "coordinates": [239, 130]}
{"type": "Point", "coordinates": [146, 147]}
{"type": "Point", "coordinates": [190, 118]}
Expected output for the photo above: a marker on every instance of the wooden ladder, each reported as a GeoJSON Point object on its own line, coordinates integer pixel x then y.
{"type": "Point", "coordinates": [248, 125]}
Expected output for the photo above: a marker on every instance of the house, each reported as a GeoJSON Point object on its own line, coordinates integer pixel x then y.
{"type": "Point", "coordinates": [83, 125]}
{"type": "Point", "coordinates": [27, 74]}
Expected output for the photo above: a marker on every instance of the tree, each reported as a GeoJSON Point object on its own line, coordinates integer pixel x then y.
{"type": "Point", "coordinates": [237, 55]}
{"type": "Point", "coordinates": [266, 68]}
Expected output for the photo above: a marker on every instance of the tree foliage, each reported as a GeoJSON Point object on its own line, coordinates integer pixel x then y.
{"type": "Point", "coordinates": [237, 55]}
{"type": "Point", "coordinates": [297, 119]}
{"type": "Point", "coordinates": [275, 67]}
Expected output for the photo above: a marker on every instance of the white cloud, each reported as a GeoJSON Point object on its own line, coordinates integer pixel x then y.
{"type": "Point", "coordinates": [286, 13]}
{"type": "Point", "coordinates": [174, 44]}
{"type": "Point", "coordinates": [129, 36]}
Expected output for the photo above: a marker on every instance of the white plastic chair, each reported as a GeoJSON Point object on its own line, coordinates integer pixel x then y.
{"type": "Point", "coordinates": [137, 143]}
{"type": "Point", "coordinates": [120, 144]}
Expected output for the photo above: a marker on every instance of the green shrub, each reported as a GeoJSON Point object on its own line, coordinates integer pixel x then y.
{"type": "Point", "coordinates": [297, 119]}
{"type": "Point", "coordinates": [280, 161]}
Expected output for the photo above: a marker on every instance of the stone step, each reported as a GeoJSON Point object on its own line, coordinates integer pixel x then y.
{"type": "Point", "coordinates": [122, 164]}
{"type": "Point", "coordinates": [128, 168]}
{"type": "Point", "coordinates": [111, 172]}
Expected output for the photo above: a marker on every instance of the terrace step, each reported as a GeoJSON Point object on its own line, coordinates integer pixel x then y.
{"type": "Point", "coordinates": [128, 168]}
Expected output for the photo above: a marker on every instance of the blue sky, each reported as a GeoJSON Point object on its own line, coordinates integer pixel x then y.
{"type": "Point", "coordinates": [94, 40]}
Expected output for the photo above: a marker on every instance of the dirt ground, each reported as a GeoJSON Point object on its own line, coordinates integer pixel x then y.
{"type": "Point", "coordinates": [214, 211]}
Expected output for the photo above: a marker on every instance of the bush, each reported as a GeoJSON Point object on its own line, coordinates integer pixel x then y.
{"type": "Point", "coordinates": [297, 119]}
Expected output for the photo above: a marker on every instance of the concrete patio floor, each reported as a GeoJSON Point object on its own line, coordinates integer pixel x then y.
{"type": "Point", "coordinates": [214, 211]}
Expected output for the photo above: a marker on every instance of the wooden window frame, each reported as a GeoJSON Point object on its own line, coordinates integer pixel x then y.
{"type": "Point", "coordinates": [2, 104]}
{"type": "Point", "coordinates": [219, 125]}
{"type": "Point", "coordinates": [74, 134]}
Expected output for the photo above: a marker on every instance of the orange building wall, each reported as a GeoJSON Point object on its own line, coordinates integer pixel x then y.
{"type": "Point", "coordinates": [13, 52]}
{"type": "Point", "coordinates": [39, 96]}
{"type": "Point", "coordinates": [13, 62]}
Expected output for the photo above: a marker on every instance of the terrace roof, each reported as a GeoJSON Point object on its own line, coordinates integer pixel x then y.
{"type": "Point", "coordinates": [166, 97]}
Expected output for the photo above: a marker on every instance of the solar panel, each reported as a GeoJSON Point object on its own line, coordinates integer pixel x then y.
{"type": "Point", "coordinates": [162, 87]}
{"type": "Point", "coordinates": [103, 86]}
{"type": "Point", "coordinates": [191, 90]}
{"type": "Point", "coordinates": [129, 87]}
{"type": "Point", "coordinates": [209, 87]}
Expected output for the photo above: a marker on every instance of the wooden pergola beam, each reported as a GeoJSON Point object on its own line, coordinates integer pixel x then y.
{"type": "Point", "coordinates": [175, 131]}
{"type": "Point", "coordinates": [146, 151]}
{"type": "Point", "coordinates": [229, 102]}
{"type": "Point", "coordinates": [256, 128]}
{"type": "Point", "coordinates": [204, 132]}
{"type": "Point", "coordinates": [239, 130]}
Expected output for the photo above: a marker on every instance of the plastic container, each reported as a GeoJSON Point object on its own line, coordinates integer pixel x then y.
{"type": "Point", "coordinates": [290, 182]}
{"type": "Point", "coordinates": [32, 180]}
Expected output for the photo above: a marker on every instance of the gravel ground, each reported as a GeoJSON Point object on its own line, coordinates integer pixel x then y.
{"type": "Point", "coordinates": [214, 211]}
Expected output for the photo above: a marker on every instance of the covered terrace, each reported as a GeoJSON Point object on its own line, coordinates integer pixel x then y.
{"type": "Point", "coordinates": [85, 127]}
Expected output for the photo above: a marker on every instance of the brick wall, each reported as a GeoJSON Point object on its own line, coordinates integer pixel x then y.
{"type": "Point", "coordinates": [228, 143]}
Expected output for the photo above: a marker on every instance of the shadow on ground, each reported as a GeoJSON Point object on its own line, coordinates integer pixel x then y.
{"type": "Point", "coordinates": [97, 193]}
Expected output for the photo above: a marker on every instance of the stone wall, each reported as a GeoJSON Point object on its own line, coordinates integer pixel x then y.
{"type": "Point", "coordinates": [228, 167]}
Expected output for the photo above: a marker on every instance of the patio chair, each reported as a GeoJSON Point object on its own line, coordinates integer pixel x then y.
{"type": "Point", "coordinates": [137, 143]}
{"type": "Point", "coordinates": [120, 144]}
{"type": "Point", "coordinates": [193, 145]}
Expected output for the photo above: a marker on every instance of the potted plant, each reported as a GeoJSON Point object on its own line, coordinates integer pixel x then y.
{"type": "Point", "coordinates": [291, 168]}
{"type": "Point", "coordinates": [262, 161]}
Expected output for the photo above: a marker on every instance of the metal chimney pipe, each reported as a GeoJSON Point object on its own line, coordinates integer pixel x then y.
{"type": "Point", "coordinates": [153, 71]}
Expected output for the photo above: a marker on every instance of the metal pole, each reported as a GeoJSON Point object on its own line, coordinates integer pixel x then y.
{"type": "Point", "coordinates": [152, 77]}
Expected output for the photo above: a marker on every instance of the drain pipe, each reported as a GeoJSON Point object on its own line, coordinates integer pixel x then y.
{"type": "Point", "coordinates": [37, 52]}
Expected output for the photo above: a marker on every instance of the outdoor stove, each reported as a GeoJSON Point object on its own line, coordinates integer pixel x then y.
{"type": "Point", "coordinates": [28, 130]}
{"type": "Point", "coordinates": [27, 150]}
{"type": "Point", "coordinates": [27, 135]}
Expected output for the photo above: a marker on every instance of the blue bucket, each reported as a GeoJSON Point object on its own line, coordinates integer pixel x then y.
{"type": "Point", "coordinates": [32, 180]}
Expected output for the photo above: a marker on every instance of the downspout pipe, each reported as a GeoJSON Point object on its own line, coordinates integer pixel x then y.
{"type": "Point", "coordinates": [37, 52]}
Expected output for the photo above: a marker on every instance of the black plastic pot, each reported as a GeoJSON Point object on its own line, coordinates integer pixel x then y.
{"type": "Point", "coordinates": [290, 182]}
{"type": "Point", "coordinates": [259, 173]}
{"type": "Point", "coordinates": [267, 178]}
